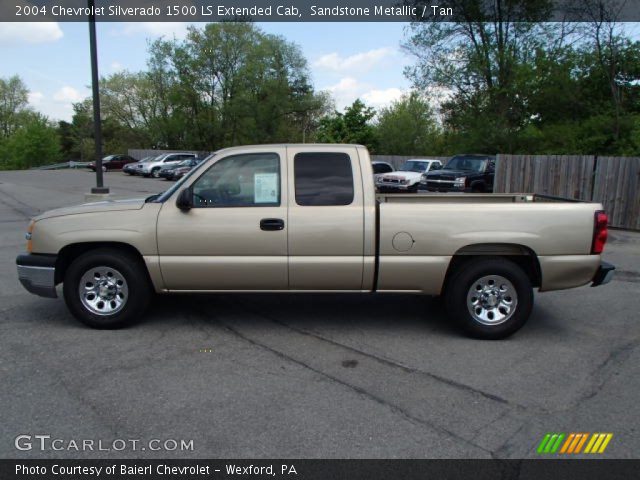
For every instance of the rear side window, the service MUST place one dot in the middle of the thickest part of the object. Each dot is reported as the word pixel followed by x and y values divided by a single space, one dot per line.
pixel 323 178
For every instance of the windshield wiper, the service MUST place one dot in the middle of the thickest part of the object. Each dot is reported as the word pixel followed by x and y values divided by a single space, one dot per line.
pixel 151 198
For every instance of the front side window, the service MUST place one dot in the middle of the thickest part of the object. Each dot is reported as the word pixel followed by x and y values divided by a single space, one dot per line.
pixel 250 180
pixel 323 178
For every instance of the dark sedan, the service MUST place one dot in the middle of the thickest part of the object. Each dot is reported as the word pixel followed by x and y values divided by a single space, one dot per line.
pixel 174 172
pixel 113 162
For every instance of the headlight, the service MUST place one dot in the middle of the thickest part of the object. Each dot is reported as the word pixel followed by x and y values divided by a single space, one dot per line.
pixel 460 181
pixel 406 182
pixel 423 177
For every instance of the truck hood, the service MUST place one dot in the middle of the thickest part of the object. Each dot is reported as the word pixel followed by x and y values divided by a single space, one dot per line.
pixel 94 207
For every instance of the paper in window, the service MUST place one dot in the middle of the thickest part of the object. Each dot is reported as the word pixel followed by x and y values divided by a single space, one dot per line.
pixel 265 188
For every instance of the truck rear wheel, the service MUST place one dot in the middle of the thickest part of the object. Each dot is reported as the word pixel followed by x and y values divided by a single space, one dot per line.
pixel 106 288
pixel 490 298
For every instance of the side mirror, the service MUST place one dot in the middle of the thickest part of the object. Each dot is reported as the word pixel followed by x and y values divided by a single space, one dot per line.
pixel 185 200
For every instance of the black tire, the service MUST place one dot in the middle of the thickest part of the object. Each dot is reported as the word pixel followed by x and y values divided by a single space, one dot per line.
pixel 458 298
pixel 139 290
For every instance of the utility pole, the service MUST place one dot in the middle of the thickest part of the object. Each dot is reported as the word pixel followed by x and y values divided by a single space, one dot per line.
pixel 95 85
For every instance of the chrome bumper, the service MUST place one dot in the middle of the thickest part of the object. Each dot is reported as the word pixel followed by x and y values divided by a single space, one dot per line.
pixel 37 274
pixel 603 275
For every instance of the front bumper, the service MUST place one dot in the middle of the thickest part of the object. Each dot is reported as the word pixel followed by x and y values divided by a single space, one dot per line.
pixel 393 188
pixel 603 275
pixel 442 186
pixel 37 274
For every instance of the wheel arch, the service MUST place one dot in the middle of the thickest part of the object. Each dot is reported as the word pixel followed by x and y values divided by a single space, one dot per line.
pixel 519 254
pixel 68 253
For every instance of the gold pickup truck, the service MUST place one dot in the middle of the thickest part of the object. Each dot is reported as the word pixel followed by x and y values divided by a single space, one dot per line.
pixel 306 218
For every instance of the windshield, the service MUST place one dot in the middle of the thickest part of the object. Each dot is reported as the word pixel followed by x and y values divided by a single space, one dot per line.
pixel 414 166
pixel 161 197
pixel 107 158
pixel 147 159
pixel 473 164
pixel 186 163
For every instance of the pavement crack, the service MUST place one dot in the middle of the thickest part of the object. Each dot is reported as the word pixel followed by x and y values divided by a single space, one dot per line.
pixel 604 370
pixel 360 391
pixel 393 363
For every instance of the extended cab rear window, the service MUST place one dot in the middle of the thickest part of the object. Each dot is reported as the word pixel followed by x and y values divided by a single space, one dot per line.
pixel 323 178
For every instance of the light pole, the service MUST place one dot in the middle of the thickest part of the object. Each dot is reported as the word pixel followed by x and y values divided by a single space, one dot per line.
pixel 95 85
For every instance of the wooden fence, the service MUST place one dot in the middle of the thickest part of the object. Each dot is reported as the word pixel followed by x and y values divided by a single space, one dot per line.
pixel 617 187
pixel 612 181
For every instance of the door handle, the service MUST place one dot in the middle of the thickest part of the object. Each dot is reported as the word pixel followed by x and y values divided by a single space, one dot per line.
pixel 271 224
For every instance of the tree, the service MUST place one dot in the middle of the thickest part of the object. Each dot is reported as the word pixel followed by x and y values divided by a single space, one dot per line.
pixel 352 126
pixel 484 59
pixel 13 102
pixel 230 83
pixel 35 143
pixel 408 127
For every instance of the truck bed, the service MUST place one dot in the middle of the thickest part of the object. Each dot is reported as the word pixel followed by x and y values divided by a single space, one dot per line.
pixel 468 198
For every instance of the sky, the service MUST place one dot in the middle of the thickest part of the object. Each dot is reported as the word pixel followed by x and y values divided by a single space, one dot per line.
pixel 351 60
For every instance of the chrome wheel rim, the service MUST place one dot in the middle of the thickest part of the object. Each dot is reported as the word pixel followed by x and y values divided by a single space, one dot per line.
pixel 492 300
pixel 103 290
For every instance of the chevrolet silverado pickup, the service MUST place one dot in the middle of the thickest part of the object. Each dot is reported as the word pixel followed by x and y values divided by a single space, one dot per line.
pixel 306 218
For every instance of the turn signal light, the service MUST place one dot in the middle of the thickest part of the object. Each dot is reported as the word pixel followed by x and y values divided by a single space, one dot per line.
pixel 599 232
pixel 29 235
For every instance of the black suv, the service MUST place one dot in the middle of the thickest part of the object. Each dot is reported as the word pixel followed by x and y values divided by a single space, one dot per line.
pixel 462 173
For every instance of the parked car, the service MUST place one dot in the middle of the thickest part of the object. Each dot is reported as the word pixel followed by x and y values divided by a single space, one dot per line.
pixel 153 167
pixel 406 178
pixel 180 169
pixel 380 168
pixel 113 162
pixel 306 218
pixel 166 172
pixel 130 168
pixel 462 173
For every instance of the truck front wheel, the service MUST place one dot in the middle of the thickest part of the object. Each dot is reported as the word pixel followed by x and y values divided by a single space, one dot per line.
pixel 106 288
pixel 490 298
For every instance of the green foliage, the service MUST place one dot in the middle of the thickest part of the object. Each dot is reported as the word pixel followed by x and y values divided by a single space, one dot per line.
pixel 530 87
pixel 35 143
pixel 352 126
pixel 13 102
pixel 408 127
pixel 225 84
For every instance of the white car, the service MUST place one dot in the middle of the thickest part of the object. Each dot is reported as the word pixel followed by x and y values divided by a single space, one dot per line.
pixel 406 178
pixel 153 167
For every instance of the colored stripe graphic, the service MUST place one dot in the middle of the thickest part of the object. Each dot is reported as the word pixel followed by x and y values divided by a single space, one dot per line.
pixel 573 443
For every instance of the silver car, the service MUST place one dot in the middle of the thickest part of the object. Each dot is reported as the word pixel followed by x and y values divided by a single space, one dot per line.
pixel 153 167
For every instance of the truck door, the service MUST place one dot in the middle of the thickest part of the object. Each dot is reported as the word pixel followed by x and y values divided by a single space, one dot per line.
pixel 326 219
pixel 235 236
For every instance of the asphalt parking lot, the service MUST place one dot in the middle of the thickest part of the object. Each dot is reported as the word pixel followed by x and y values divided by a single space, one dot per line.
pixel 306 376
